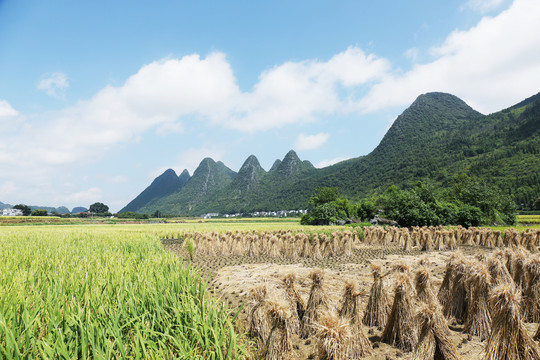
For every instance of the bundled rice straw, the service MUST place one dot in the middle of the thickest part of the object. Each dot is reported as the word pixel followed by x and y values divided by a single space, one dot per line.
pixel 519 270
pixel 296 303
pixel 401 267
pixel 479 317
pixel 349 302
pixel 400 330
pixel 407 242
pixel 424 290
pixel 444 290
pixel 499 272
pixel 531 303
pixel 279 345
pixel 258 321
pixel 456 305
pixel 509 338
pixel 360 345
pixel 334 338
pixel 537 335
pixel 378 306
pixel 434 339
pixel 317 303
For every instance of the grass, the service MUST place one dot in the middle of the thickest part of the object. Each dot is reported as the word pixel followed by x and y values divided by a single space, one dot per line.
pixel 528 219
pixel 104 292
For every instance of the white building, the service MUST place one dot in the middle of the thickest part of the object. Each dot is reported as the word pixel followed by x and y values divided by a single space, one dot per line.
pixel 11 212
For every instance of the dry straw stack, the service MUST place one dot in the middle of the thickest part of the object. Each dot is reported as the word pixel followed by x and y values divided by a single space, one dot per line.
pixel 317 304
pixel 296 303
pixel 334 337
pixel 278 345
pixel 359 343
pixel 531 303
pixel 509 338
pixel 424 289
pixel 479 317
pixel 434 339
pixel 456 305
pixel 259 326
pixel 378 306
pixel 400 330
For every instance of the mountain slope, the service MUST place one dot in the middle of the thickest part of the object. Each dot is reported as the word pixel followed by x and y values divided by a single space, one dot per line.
pixel 437 137
pixel 165 184
pixel 209 178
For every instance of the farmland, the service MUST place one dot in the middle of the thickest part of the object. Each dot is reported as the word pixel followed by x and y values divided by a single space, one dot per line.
pixel 140 291
pixel 102 292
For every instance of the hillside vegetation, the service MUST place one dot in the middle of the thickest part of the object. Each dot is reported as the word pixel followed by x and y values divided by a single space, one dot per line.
pixel 437 137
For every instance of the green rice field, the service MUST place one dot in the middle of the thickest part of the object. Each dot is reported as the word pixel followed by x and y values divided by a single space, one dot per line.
pixel 104 292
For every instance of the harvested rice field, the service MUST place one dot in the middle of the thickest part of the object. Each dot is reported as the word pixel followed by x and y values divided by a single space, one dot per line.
pixel 304 294
pixel 268 291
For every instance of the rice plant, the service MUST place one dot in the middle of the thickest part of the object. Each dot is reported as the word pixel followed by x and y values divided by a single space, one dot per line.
pixel 93 292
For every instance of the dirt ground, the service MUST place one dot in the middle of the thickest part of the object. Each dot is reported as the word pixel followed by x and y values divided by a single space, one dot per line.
pixel 230 279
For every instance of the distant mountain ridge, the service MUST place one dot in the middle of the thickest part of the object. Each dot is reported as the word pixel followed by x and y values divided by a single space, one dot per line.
pixel 59 210
pixel 438 136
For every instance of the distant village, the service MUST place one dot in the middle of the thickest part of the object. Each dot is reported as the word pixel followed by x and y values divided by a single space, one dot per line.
pixel 280 213
pixel 11 212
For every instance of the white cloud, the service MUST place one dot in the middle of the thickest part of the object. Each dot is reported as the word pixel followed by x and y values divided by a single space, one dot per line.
pixel 483 6
pixel 411 53
pixel 302 91
pixel 9 119
pixel 54 84
pixel 87 197
pixel 492 65
pixel 6 110
pixel 310 142
pixel 164 92
pixel 325 163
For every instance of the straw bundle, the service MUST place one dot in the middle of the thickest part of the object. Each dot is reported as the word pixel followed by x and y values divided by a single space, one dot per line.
pixel 422 282
pixel 259 326
pixel 400 330
pixel 456 306
pixel 360 345
pixel 279 345
pixel 317 303
pixel 531 303
pixel 519 270
pixel 407 246
pixel 378 306
pixel 334 338
pixel 499 272
pixel 434 339
pixel 509 338
pixel 316 249
pixel 296 303
pixel 479 317
pixel 444 290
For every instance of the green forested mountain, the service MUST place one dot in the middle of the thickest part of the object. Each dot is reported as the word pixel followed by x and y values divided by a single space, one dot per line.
pixel 437 137
pixel 165 184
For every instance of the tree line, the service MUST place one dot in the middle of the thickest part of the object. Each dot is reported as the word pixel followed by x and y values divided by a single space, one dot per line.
pixel 466 201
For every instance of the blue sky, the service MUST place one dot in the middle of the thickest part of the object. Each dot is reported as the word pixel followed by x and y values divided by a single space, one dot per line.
pixel 98 98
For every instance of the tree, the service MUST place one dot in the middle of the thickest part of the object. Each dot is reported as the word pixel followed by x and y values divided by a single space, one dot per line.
pixel 39 212
pixel 366 209
pixel 327 207
pixel 24 208
pixel 99 208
